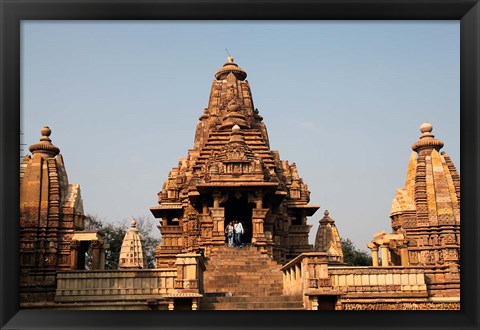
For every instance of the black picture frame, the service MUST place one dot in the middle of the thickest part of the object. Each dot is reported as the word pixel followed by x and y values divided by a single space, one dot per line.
pixel 14 11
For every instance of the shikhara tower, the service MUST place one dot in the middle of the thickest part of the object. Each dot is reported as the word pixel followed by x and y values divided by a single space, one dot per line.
pixel 231 174
pixel 425 218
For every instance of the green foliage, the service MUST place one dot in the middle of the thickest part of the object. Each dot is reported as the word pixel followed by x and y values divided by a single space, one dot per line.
pixel 113 235
pixel 354 257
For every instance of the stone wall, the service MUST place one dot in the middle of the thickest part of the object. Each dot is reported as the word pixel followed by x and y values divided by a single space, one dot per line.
pixel 363 288
pixel 177 287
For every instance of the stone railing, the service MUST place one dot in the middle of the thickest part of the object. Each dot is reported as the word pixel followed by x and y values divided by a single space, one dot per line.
pixel 306 272
pixel 164 287
pixel 310 276
pixel 78 286
pixel 397 282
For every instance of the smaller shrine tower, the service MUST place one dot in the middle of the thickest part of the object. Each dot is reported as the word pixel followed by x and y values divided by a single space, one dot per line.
pixel 51 222
pixel 425 218
pixel 328 239
pixel 132 254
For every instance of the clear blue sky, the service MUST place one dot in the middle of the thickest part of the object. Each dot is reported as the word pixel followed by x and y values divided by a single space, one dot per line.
pixel 341 99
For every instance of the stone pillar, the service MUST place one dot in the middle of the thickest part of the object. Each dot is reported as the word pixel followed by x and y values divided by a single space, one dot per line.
pixel 190 269
pixel 258 234
pixel 375 256
pixel 384 250
pixel 404 255
pixel 96 246
pixel 102 255
pixel 204 207
pixel 218 232
pixel 338 304
pixel 216 200
pixel 314 303
pixel 194 304
pixel 74 246
pixel 259 199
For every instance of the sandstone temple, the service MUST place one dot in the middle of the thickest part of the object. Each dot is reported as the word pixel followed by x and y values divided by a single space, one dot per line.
pixel 231 174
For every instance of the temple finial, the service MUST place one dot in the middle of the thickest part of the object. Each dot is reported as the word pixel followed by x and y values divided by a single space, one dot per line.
pixel 45 145
pixel 230 67
pixel 230 58
pixel 427 139
pixel 426 128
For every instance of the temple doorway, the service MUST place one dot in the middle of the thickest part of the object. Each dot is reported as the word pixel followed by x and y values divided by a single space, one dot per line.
pixel 238 208
pixel 326 303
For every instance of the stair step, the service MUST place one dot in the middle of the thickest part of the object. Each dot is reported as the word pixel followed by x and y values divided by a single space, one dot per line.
pixel 244 279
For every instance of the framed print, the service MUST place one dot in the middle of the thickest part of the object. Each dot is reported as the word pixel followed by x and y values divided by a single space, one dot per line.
pixel 114 82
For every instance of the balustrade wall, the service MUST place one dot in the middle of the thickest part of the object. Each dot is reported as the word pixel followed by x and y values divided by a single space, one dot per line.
pixel 150 287
pixel 311 276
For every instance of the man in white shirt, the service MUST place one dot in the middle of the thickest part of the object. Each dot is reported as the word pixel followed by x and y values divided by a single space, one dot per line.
pixel 238 229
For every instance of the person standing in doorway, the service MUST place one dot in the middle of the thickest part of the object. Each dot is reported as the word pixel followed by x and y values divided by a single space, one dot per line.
pixel 238 228
pixel 229 233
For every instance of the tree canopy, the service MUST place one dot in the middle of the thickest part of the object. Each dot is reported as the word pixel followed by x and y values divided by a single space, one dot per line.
pixel 353 256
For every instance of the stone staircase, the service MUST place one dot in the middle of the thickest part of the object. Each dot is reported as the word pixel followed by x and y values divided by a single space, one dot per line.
pixel 244 279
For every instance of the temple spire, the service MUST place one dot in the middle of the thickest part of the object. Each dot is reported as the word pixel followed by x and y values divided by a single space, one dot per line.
pixel 328 239
pixel 132 254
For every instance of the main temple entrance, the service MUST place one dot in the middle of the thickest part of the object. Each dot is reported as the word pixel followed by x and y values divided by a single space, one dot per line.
pixel 238 208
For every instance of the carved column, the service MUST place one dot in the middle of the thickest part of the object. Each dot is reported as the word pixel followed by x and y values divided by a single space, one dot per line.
pixel 96 246
pixel 218 217
pixel 338 304
pixel 258 234
pixel 258 199
pixel 216 199
pixel 374 249
pixel 204 207
pixel 314 303
pixel 74 246
pixel 102 255
pixel 384 250
pixel 403 255
pixel 194 304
